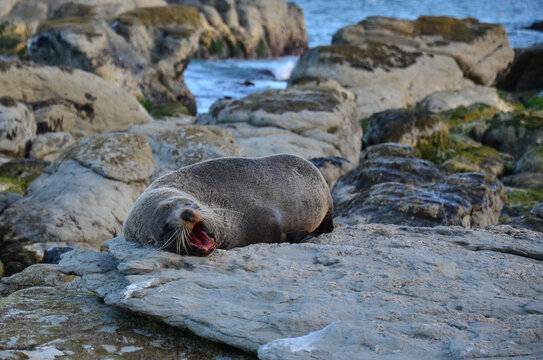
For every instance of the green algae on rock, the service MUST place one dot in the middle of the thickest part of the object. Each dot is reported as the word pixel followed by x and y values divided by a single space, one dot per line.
pixel 16 175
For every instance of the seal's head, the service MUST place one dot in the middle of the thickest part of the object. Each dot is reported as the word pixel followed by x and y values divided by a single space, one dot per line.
pixel 187 232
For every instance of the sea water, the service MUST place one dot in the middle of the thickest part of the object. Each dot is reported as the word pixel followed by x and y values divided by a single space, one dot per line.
pixel 214 79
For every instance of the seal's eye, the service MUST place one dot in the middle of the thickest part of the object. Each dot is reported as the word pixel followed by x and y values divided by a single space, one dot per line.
pixel 188 215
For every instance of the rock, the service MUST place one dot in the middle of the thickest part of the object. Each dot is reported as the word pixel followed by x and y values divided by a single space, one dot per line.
pixel 52 255
pixel 528 171
pixel 176 144
pixel 307 120
pixel 536 25
pixel 525 72
pixel 479 159
pixel 17 127
pixel 62 319
pixel 398 292
pixel 401 189
pixel 515 132
pixel 448 100
pixel 531 221
pixel 8 198
pixel 382 76
pixel 481 49
pixel 332 168
pixel 16 175
pixel 96 105
pixel 403 126
pixel 47 146
pixel 80 200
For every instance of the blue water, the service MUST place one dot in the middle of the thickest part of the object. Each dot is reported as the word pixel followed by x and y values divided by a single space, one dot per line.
pixel 212 80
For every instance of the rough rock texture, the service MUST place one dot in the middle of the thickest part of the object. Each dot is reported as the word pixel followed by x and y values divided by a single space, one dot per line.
pixel 526 71
pixel 63 320
pixel 16 175
pixel 482 50
pixel 94 105
pixel 403 126
pixel 47 146
pixel 145 50
pixel 448 100
pixel 310 121
pixel 80 200
pixel 393 187
pixel 479 159
pixel 17 127
pixel 382 76
pixel 515 132
pixel 528 171
pixel 396 292
pixel 532 221
pixel 176 143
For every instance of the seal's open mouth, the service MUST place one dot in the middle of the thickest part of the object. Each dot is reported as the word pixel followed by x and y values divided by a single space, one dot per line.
pixel 202 243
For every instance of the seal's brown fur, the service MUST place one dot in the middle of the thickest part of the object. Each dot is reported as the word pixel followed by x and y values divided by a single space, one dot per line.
pixel 240 201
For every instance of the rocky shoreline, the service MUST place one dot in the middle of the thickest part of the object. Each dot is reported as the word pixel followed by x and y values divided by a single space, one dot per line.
pixel 429 133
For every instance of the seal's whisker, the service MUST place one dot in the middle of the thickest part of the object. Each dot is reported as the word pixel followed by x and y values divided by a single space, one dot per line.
pixel 169 241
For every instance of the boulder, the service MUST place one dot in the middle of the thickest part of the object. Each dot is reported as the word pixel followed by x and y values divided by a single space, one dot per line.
pixel 525 73
pixel 403 126
pixel 401 189
pixel 448 100
pixel 481 49
pixel 17 127
pixel 528 172
pixel 93 104
pixel 80 200
pixel 176 143
pixel 515 132
pixel 365 290
pixel 48 314
pixel 16 175
pixel 382 76
pixel 479 159
pixel 309 120
pixel 531 221
pixel 47 146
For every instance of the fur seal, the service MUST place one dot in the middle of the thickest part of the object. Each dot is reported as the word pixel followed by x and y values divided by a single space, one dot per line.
pixel 232 202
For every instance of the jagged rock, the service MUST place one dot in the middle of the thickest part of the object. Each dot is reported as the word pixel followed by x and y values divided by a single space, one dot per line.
pixel 62 319
pixel 80 200
pixel 177 143
pixel 382 76
pixel 398 292
pixel 515 132
pixel 307 120
pixel 481 49
pixel 94 104
pixel 47 146
pixel 448 100
pixel 401 189
pixel 17 127
pixel 332 168
pixel 403 126
pixel 528 171
pixel 525 73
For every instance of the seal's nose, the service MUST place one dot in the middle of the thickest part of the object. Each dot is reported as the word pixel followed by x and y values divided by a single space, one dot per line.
pixel 188 215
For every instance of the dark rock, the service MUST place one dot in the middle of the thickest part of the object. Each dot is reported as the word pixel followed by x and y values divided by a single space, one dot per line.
pixel 52 255
pixel 536 25
pixel 526 71
pixel 405 190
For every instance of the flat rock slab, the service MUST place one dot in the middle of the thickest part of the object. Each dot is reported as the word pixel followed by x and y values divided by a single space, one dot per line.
pixel 364 291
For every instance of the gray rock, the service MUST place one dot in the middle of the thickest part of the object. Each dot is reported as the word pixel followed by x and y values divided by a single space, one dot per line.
pixel 528 172
pixel 481 49
pixel 404 126
pixel 515 132
pixel 46 314
pixel 400 189
pixel 95 104
pixel 177 143
pixel 17 127
pixel 47 146
pixel 382 76
pixel 375 290
pixel 80 200
pixel 448 100
pixel 308 120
